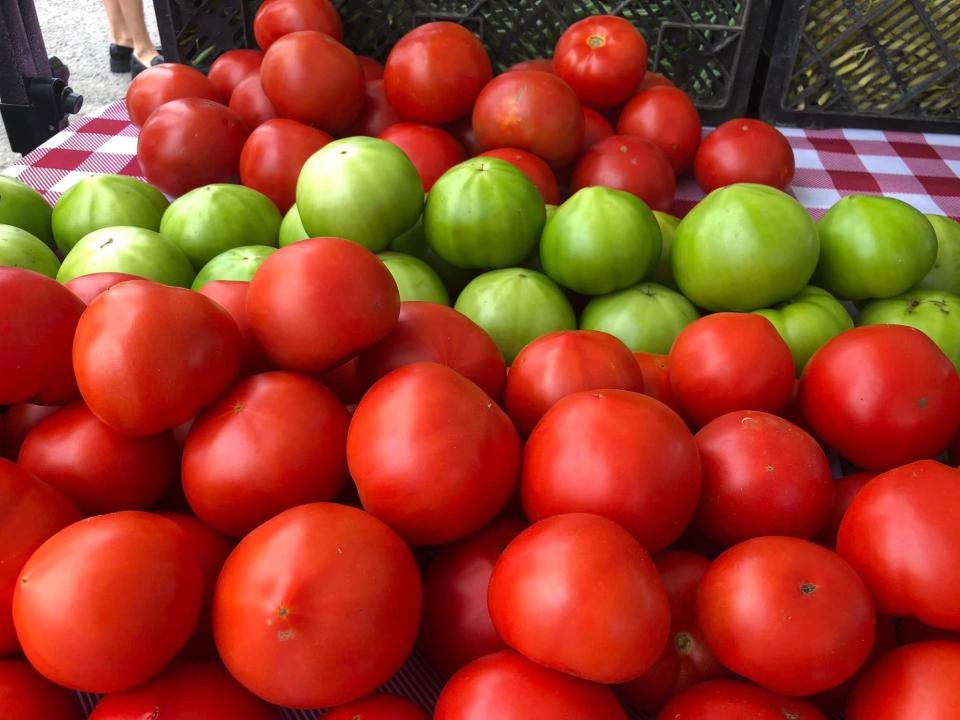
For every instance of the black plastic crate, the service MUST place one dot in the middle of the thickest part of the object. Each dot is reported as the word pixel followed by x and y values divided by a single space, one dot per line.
pixel 708 47
pixel 866 63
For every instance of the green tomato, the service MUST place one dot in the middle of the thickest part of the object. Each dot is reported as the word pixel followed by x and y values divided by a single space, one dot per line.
pixel 25 208
pixel 744 247
pixel 807 321
pixel 215 218
pixel 415 279
pixel 873 247
pixel 550 211
pixel 483 213
pixel 130 250
pixel 945 274
pixel 663 272
pixel 101 201
pixel 234 264
pixel 19 248
pixel 600 240
pixel 647 317
pixel 934 312
pixel 516 306
pixel 360 188
pixel 291 229
pixel 414 242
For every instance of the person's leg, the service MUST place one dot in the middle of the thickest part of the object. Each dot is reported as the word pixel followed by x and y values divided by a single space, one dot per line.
pixel 143 48
pixel 119 34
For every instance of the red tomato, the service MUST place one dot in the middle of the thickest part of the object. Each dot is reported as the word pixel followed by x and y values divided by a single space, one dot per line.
pixel 561 363
pixel 312 78
pixel 462 130
pixel 534 168
pixel 584 578
pixel 376 115
pixel 735 700
pixel 37 339
pixel 507 686
pixel 730 361
pixel 87 287
pixel 431 150
pixel 603 58
pixel 639 455
pixel 273 156
pixel 378 707
pixel 686 660
pixel 656 379
pixel 273 441
pixel 762 475
pixel 372 69
pixel 882 395
pixel 317 302
pixel 431 454
pixel 542 64
pixel 185 690
pixel 790 615
pixel 277 18
pixel 845 490
pixel 309 588
pixel 456 627
pixel 744 150
pixel 65 605
pixel 631 164
pixel 900 535
pixel 19 420
pixel 666 117
pixel 98 468
pixel 530 110
pixel 654 79
pixel 428 332
pixel 917 681
pixel 596 128
pixel 251 103
pixel 148 356
pixel 27 695
pixel 232 67
pixel 30 512
pixel 435 72
pixel 231 295
pixel 344 381
pixel 190 143
pixel 160 84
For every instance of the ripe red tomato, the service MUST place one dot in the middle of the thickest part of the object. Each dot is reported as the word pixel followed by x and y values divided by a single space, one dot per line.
pixel 87 287
pixel 30 512
pixel 462 130
pixel 882 395
pixel 654 79
pixel 312 78
pixel 308 588
pixel 730 361
pixel 534 168
pixel 762 475
pixel 372 69
pixel 656 379
pixel 97 467
pixel 584 578
pixel 686 660
pixel 845 490
pixel 631 164
pixel 17 421
pixel 530 110
pixel 435 72
pixel 273 156
pixel 314 304
pixel 344 382
pixel 133 375
pixel 65 605
pixel 231 295
pixel 431 454
pixel 736 700
pixel 251 103
pixel 376 115
pixel 666 117
pixel 189 143
pixel 276 18
pixel 37 339
pixel 900 536
pixel 542 64
pixel 273 441
pixel 428 332
pixel 639 455
pixel 916 681
pixel 26 695
pixel 744 150
pixel 378 707
pixel 232 67
pixel 431 150
pixel 603 58
pixel 561 363
pixel 187 689
pixel 160 84
pixel 790 615
pixel 596 128
pixel 507 686
pixel 456 627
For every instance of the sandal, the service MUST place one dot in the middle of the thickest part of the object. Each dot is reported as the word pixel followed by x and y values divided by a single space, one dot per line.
pixel 137 66
pixel 120 58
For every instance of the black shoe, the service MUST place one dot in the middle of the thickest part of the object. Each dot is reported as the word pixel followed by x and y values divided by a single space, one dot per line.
pixel 137 67
pixel 120 58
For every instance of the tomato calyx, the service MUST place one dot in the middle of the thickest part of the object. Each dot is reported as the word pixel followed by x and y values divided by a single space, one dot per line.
pixel 807 588
pixel 682 642
pixel 596 41
pixel 789 715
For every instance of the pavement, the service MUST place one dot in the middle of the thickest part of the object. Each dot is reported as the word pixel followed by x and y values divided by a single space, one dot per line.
pixel 76 32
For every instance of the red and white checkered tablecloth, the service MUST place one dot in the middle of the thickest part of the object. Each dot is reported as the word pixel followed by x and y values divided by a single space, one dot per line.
pixel 922 169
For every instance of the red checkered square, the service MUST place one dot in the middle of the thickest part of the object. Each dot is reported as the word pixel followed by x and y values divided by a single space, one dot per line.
pixel 61 158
